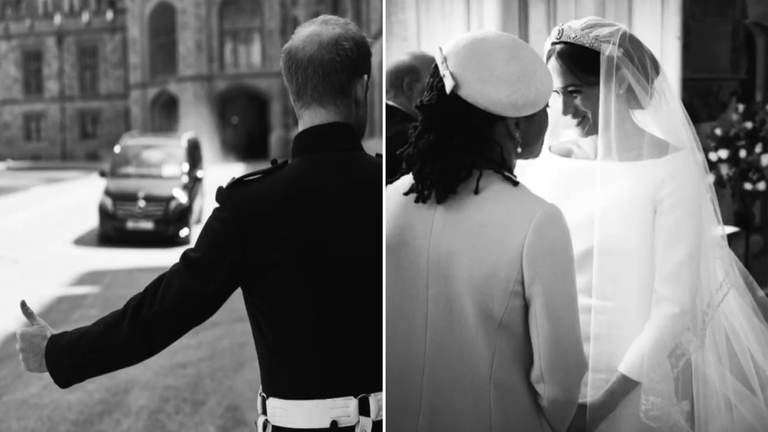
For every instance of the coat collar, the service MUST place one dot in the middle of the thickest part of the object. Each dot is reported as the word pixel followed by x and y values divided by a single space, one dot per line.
pixel 326 138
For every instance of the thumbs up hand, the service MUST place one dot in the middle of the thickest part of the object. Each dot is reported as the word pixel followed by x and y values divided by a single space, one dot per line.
pixel 32 341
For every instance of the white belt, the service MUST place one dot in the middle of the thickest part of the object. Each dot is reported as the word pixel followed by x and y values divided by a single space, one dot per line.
pixel 319 413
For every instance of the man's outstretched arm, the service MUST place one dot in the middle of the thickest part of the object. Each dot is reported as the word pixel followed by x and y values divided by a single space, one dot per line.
pixel 170 306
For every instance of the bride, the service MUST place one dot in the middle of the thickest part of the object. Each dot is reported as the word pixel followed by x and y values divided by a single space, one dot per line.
pixel 669 318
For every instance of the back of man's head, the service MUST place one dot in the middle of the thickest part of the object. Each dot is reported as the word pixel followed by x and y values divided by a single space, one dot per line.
pixel 323 61
pixel 412 67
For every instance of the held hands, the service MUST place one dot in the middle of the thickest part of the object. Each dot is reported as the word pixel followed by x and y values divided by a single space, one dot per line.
pixel 32 341
pixel 579 422
pixel 589 416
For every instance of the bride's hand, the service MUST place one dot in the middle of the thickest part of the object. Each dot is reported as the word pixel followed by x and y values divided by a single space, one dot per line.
pixel 605 404
pixel 579 421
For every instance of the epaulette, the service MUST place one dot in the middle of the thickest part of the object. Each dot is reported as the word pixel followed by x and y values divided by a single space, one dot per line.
pixel 275 166
pixel 379 156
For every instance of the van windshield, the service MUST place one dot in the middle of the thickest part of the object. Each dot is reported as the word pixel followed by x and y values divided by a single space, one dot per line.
pixel 148 160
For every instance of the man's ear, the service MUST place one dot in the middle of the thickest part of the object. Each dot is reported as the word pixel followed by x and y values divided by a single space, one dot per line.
pixel 361 89
pixel 409 86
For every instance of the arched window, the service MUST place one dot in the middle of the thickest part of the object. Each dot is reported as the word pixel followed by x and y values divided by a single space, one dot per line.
pixel 240 22
pixel 163 53
pixel 10 8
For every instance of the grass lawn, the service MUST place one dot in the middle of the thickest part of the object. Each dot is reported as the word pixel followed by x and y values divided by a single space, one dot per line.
pixel 207 381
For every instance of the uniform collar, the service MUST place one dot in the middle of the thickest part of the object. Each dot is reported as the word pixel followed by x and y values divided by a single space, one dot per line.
pixel 333 137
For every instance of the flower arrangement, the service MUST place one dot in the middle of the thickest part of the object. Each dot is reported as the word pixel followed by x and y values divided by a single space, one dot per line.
pixel 738 153
pixel 738 160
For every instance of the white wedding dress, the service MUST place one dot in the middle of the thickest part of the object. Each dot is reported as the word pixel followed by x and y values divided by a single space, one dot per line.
pixel 664 300
pixel 632 296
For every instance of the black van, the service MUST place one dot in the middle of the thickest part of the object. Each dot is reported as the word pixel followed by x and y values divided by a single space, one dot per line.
pixel 154 188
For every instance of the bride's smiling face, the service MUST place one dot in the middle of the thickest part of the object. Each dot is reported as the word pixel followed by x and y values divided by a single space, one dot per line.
pixel 574 99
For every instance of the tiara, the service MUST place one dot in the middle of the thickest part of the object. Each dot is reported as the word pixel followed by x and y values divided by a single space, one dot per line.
pixel 576 36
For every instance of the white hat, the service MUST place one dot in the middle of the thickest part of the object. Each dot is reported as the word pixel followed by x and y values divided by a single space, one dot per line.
pixel 496 72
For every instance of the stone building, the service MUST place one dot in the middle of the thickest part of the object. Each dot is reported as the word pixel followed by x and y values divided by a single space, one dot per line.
pixel 211 66
pixel 63 81
pixel 214 66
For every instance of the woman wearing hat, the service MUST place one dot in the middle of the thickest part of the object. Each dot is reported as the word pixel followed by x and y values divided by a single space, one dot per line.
pixel 669 320
pixel 482 320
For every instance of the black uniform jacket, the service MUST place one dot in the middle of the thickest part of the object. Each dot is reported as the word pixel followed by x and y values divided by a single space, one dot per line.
pixel 304 242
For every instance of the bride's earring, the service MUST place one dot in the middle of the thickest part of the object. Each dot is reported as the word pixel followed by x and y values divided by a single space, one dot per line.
pixel 519 142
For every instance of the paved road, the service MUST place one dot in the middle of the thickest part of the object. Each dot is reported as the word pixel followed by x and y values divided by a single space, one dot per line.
pixel 13 181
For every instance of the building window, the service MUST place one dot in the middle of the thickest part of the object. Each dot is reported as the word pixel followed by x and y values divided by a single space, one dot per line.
pixel 89 125
pixel 32 64
pixel 162 40
pixel 240 22
pixel 358 15
pixel 339 8
pixel 45 7
pixel 33 127
pixel 291 22
pixel 73 6
pixel 11 8
pixel 88 56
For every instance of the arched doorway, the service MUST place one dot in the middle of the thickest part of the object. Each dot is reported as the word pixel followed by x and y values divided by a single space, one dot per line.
pixel 243 115
pixel 164 112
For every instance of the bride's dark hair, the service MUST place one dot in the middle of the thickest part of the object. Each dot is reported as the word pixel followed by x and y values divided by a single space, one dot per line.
pixel 451 140
pixel 584 63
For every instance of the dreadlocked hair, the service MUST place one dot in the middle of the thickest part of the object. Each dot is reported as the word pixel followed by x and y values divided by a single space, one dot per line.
pixel 450 142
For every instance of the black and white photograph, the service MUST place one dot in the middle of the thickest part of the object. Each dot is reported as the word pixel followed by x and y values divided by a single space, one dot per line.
pixel 191 215
pixel 476 215
pixel 576 216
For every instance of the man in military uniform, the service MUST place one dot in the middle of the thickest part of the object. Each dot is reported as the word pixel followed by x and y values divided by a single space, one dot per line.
pixel 406 79
pixel 302 239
